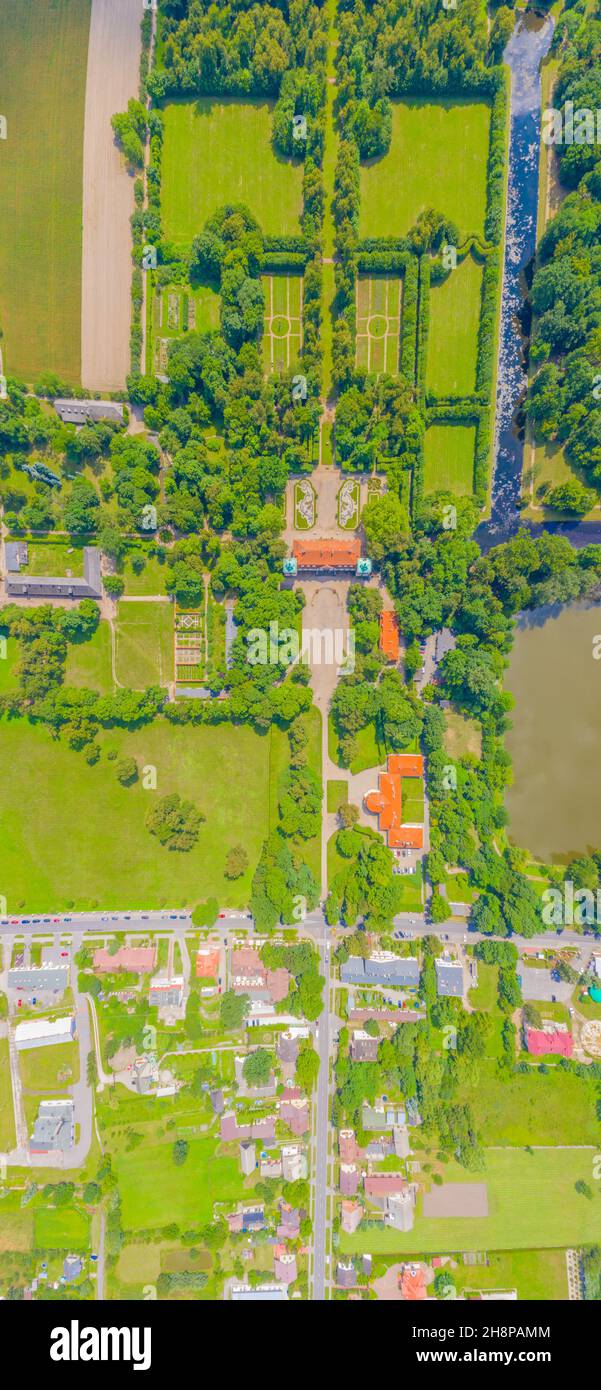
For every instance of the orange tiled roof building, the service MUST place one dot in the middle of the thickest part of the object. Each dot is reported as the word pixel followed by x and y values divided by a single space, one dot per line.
pixel 389 635
pixel 327 554
pixel 387 802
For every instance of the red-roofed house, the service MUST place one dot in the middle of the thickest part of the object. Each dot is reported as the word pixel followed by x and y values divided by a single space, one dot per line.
pixel 207 963
pixel 138 960
pixel 412 1283
pixel 347 1146
pixel 284 1264
pixel 553 1037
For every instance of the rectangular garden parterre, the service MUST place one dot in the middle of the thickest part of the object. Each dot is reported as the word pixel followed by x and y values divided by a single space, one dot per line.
pixel 378 322
pixel 283 322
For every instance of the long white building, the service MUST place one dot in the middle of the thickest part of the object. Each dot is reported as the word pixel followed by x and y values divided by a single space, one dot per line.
pixel 43 1032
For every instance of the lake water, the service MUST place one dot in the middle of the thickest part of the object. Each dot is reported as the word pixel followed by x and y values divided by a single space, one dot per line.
pixel 554 804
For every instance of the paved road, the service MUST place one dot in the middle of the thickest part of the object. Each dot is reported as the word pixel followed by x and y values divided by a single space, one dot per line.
pixel 321 1148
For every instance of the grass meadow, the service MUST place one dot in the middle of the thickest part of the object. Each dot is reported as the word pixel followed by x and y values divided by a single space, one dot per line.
pixel 150 1184
pixel 437 158
pixel 71 833
pixel 220 151
pixel 43 62
pixel 144 644
pixel 449 459
pixel 453 331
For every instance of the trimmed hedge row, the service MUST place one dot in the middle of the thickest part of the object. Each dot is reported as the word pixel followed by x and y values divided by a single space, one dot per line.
pixel 423 325
pixel 409 319
pixel 495 174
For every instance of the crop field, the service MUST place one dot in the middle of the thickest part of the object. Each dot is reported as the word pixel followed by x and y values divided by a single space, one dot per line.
pixel 71 834
pixel 43 60
pixel 144 644
pixel 449 459
pixel 379 299
pixel 283 322
pixel 437 158
pixel 220 151
pixel 453 331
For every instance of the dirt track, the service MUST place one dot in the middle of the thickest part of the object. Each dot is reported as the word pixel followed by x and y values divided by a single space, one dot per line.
pixel 108 195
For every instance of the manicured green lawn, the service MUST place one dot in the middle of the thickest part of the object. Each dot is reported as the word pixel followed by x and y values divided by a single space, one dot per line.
pixel 7 1120
pixel 437 158
pixel 41 1067
pixel 61 1228
pixel 155 1191
pixel 412 792
pixel 484 996
pixel 8 679
pixel 43 60
pixel 537 1274
pixel 532 1204
pixel 149 582
pixel 530 1108
pixel 453 331
pixel 54 559
pixel 337 795
pixel 217 152
pixel 71 833
pixel 89 664
pixel 449 459
pixel 144 644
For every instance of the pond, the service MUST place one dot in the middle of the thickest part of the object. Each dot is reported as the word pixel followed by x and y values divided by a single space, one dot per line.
pixel 554 805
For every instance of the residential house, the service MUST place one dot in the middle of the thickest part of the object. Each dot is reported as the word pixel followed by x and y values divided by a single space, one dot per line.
pixel 363 1047
pixel 347 1146
pixel 136 960
pixel 412 1283
pixel 230 1130
pixel 284 1264
pixel 294 1163
pixel 271 1167
pixel 380 1117
pixel 290 1221
pixel 166 993
pixel 247 1158
pixel 217 1102
pixel 351 1215
pixel 449 977
pixel 349 1179
pixel 85 412
pixel 207 962
pixel 381 968
pixel 247 1219
pixel 294 1111
pixel 346 1274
